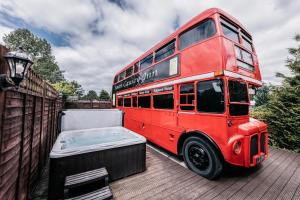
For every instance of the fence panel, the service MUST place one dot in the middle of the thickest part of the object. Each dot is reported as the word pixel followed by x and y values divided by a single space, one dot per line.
pixel 84 104
pixel 28 120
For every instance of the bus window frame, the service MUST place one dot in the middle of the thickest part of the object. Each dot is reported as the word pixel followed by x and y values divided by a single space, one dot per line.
pixel 116 79
pixel 152 61
pixel 225 88
pixel 120 97
pixel 242 34
pixel 238 59
pixel 176 54
pixel 132 97
pixel 194 104
pixel 128 68
pixel 162 93
pixel 130 102
pixel 200 41
pixel 163 46
pixel 151 102
pixel 239 80
pixel 228 23
pixel 136 64
pixel 227 79
pixel 124 71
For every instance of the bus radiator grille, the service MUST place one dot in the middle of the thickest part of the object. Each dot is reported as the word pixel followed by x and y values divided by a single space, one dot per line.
pixel 263 143
pixel 253 147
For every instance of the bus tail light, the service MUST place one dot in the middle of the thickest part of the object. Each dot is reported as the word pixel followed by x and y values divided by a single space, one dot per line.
pixel 237 147
pixel 219 73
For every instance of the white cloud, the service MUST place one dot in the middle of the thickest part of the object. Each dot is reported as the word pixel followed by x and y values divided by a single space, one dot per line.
pixel 105 36
pixel 4 30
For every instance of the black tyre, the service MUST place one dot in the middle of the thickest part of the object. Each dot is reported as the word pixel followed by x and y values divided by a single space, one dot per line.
pixel 202 157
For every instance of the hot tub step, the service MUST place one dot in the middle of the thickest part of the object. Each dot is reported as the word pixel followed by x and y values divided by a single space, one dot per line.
pixel 101 194
pixel 87 177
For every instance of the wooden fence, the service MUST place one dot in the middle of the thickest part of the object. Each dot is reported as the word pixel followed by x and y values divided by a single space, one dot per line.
pixel 83 104
pixel 28 129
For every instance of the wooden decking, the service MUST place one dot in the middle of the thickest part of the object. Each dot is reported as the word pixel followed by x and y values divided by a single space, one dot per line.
pixel 277 178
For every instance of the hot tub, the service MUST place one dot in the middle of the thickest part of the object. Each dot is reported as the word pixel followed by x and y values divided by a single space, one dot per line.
pixel 120 150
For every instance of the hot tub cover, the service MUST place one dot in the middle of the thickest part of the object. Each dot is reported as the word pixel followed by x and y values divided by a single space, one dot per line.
pixel 88 140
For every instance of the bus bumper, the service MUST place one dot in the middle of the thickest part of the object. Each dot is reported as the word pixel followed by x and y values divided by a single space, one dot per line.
pixel 257 149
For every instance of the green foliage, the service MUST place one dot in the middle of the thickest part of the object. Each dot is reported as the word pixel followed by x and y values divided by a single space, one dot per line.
pixel 282 112
pixel 78 88
pixel 91 95
pixel 66 88
pixel 104 95
pixel 44 62
pixel 262 95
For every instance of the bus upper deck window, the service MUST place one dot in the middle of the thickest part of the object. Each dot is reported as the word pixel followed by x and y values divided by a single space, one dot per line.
pixel 122 76
pixel 136 67
pixel 202 31
pixel 147 61
pixel 165 51
pixel 129 71
pixel 230 30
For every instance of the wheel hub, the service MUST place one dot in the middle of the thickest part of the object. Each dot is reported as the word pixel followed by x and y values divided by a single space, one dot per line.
pixel 198 157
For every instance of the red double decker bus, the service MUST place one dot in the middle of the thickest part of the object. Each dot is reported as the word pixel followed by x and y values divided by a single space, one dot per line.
pixel 190 95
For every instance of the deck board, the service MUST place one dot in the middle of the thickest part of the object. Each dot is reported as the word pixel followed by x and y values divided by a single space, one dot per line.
pixel 277 178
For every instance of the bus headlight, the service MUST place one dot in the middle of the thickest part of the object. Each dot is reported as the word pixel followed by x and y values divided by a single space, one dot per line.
pixel 237 147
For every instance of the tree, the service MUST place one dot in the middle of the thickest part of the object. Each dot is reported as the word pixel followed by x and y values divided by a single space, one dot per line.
pixel 104 95
pixel 282 112
pixel 91 95
pixel 66 88
pixel 262 95
pixel 44 62
pixel 79 90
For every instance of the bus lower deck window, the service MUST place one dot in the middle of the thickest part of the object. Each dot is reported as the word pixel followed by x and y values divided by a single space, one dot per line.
pixel 134 102
pixel 187 96
pixel 127 102
pixel 144 102
pixel 164 101
pixel 210 96
pixel 120 101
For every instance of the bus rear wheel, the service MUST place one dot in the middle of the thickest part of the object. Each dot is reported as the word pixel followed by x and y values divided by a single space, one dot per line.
pixel 202 157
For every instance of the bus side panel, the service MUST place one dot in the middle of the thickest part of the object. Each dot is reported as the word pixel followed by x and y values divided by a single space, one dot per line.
pixel 138 120
pixel 131 120
pixel 202 58
pixel 164 129
pixel 213 126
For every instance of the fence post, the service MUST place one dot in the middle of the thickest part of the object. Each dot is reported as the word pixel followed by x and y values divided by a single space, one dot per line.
pixel 21 146
pixel 40 165
pixel 30 145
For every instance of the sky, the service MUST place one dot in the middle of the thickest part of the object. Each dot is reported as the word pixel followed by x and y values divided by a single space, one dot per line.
pixel 94 39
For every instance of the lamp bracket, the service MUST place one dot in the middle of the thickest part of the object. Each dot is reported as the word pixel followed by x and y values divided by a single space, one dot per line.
pixel 5 82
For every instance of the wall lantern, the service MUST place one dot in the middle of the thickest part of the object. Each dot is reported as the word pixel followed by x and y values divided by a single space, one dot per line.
pixel 19 62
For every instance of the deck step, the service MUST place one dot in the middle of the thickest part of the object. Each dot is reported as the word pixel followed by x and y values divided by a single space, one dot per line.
pixel 101 194
pixel 87 177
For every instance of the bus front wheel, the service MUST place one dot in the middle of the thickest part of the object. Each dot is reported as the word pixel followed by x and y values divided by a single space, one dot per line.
pixel 202 157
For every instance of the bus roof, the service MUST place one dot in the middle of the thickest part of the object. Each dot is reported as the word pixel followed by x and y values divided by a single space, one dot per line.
pixel 205 14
